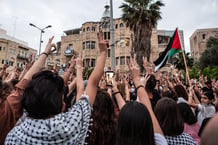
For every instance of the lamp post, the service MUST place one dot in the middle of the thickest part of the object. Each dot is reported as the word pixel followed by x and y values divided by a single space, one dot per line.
pixel 41 31
pixel 112 36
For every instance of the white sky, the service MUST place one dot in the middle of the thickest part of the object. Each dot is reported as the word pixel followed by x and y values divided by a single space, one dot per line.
pixel 15 16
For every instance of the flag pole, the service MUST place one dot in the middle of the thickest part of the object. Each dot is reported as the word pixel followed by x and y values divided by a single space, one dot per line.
pixel 186 68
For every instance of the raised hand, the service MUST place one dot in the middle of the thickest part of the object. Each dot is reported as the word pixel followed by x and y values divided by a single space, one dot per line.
pixel 79 62
pixel 134 70
pixel 50 47
pixel 102 43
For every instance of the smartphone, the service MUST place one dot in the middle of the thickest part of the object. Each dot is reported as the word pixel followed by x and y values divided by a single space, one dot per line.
pixel 109 77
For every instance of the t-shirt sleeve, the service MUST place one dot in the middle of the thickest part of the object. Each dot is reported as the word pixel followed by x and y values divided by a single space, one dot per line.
pixel 200 107
pixel 160 139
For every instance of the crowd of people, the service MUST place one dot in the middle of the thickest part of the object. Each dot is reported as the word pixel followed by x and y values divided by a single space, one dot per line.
pixel 39 106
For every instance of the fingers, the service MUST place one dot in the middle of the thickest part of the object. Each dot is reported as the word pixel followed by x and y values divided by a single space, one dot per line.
pixel 100 35
pixel 54 47
pixel 50 39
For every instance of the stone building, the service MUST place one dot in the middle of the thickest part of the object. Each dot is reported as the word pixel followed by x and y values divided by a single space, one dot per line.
pixel 84 41
pixel 198 41
pixel 14 52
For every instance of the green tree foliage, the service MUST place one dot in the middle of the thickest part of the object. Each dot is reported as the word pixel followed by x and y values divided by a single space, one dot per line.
pixel 193 72
pixel 141 16
pixel 179 63
pixel 210 56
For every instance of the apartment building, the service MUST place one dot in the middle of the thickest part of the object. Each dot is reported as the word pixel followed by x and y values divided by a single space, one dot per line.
pixel 13 51
pixel 198 41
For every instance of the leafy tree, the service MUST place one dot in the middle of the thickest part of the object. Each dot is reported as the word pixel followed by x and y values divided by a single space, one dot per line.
pixel 210 56
pixel 193 72
pixel 141 16
pixel 179 63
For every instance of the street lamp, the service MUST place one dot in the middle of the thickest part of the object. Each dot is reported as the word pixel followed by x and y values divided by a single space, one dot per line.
pixel 107 20
pixel 41 31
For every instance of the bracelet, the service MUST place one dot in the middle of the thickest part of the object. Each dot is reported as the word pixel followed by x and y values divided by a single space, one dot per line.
pixel 44 53
pixel 136 89
pixel 118 92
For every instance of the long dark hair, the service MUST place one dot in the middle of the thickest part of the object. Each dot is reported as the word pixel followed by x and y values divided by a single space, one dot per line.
pixel 135 126
pixel 169 117
pixel 187 113
pixel 104 121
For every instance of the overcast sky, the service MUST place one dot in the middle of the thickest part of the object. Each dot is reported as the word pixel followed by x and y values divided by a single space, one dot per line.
pixel 15 16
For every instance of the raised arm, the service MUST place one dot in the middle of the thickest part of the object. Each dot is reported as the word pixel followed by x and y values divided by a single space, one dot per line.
pixel 116 92
pixel 79 76
pixel 69 71
pixel 95 77
pixel 39 64
pixel 143 96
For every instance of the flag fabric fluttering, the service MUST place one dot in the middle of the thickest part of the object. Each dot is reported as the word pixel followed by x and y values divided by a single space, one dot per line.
pixel 173 47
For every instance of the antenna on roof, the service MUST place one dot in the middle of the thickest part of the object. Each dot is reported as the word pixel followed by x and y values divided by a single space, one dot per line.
pixel 15 23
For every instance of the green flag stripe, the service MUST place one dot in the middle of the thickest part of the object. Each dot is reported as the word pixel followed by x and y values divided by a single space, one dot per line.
pixel 173 51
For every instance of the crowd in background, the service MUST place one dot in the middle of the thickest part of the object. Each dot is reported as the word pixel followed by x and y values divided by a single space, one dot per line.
pixel 39 106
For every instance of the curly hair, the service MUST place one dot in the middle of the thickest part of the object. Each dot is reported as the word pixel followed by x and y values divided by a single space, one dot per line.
pixel 104 121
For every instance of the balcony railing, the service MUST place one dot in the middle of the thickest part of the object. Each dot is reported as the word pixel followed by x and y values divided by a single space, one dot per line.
pixel 21 56
pixel 70 52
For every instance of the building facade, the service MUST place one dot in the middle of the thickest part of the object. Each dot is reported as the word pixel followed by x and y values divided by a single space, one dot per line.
pixel 14 52
pixel 198 41
pixel 84 41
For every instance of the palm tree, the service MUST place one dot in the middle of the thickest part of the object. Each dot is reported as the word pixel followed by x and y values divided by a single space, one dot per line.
pixel 141 16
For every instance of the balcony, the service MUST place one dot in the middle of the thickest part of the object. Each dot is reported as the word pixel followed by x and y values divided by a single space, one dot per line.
pixel 69 52
pixel 21 56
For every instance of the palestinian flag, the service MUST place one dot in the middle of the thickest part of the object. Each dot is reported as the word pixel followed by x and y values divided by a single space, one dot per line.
pixel 174 46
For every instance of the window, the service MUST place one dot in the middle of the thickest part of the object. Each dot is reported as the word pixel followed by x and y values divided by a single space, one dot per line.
pixel 122 60
pixel 87 62
pixel 128 58
pixel 3 48
pixel 2 61
pixel 108 53
pixel 93 29
pixel 87 29
pixel 84 45
pixel 203 36
pixel 117 60
pixel 108 35
pixel 116 26
pixel 84 29
pixel 0 48
pixel 105 35
pixel 92 62
pixel 121 25
pixel 87 44
pixel 93 45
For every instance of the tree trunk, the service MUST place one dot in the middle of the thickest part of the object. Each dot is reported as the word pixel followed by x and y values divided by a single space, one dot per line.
pixel 142 44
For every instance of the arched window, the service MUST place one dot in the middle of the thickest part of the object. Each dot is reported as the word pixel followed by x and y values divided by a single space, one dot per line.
pixel 87 29
pixel 121 25
pixel 203 36
pixel 116 26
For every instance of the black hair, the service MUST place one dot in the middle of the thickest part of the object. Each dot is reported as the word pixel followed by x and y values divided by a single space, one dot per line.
pixel 187 113
pixel 43 96
pixel 104 120
pixel 169 117
pixel 151 83
pixel 181 92
pixel 134 125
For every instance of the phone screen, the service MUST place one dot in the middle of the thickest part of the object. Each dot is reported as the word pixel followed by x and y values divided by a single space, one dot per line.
pixel 109 76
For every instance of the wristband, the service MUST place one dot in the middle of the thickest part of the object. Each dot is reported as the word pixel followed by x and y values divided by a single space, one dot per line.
pixel 118 92
pixel 44 53
pixel 136 89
